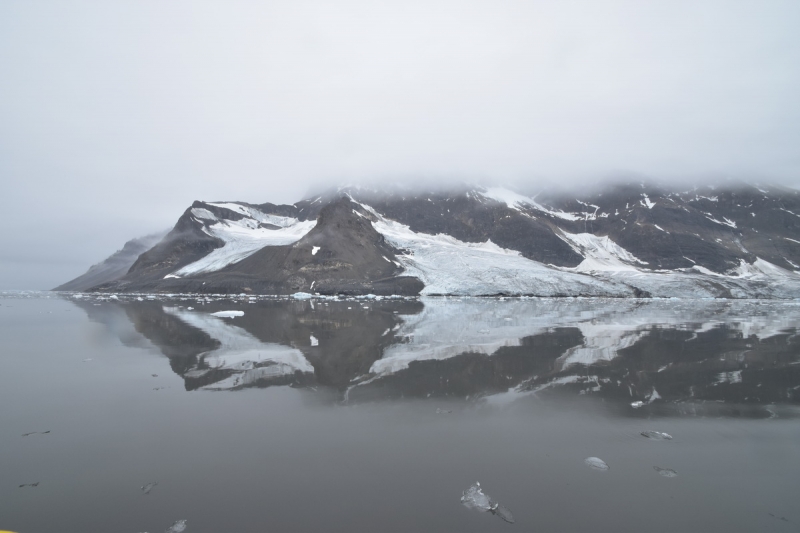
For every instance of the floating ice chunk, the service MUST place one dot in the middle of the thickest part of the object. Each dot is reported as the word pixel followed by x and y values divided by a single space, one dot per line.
pixel 475 498
pixel 178 527
pixel 503 512
pixel 596 463
pixel 86 360
pixel 302 296
pixel 228 314
pixel 150 486
pixel 314 341
pixel 729 377
pixel 440 411
pixel 666 472
pixel 637 405
pixel 656 435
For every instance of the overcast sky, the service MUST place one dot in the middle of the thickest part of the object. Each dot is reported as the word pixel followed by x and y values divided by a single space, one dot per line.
pixel 115 115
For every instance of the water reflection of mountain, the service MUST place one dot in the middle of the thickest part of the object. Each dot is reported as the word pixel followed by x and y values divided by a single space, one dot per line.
pixel 657 352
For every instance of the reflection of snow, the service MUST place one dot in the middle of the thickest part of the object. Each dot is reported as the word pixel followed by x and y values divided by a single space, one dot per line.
pixel 446 329
pixel 601 343
pixel 248 357
pixel 520 391
pixel 730 377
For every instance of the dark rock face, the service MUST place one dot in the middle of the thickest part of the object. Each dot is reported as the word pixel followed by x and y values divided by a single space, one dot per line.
pixel 343 250
pixel 468 217
pixel 711 227
pixel 702 230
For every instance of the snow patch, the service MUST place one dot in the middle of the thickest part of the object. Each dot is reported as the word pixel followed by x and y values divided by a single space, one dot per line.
pixel 314 250
pixel 514 200
pixel 449 266
pixel 242 238
pixel 205 214
pixel 600 253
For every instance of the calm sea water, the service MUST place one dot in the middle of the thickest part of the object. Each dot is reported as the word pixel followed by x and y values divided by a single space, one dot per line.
pixel 376 415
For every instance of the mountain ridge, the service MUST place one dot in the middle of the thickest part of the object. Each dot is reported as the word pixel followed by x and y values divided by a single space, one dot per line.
pixel 624 240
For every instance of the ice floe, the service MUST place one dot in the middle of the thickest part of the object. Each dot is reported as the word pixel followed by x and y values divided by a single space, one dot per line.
pixel 228 314
pixel 475 498
pixel 666 472
pixel 656 435
pixel 596 463
pixel 179 526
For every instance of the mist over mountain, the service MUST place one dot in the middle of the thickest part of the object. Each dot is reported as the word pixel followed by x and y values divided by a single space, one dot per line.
pixel 115 266
pixel 623 239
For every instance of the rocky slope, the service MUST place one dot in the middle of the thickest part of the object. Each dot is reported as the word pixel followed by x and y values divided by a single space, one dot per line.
pixel 626 240
pixel 115 266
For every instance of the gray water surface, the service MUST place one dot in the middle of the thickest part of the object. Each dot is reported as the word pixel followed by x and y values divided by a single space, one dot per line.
pixel 375 415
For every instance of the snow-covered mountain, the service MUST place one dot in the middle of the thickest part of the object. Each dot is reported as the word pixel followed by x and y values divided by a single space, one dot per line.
pixel 630 240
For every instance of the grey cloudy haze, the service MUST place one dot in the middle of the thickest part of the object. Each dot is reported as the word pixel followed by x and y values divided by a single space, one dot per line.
pixel 114 116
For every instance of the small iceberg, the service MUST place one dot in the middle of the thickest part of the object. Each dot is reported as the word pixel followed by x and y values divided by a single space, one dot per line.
pixel 475 498
pixel 228 314
pixel 150 486
pixel 178 527
pixel 666 472
pixel 656 435
pixel 596 463
pixel 302 296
